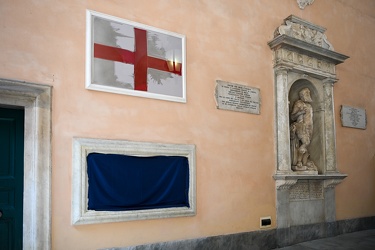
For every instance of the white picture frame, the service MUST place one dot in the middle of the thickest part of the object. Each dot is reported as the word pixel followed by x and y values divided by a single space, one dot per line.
pixel 130 58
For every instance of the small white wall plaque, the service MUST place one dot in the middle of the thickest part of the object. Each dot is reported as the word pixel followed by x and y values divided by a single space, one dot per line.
pixel 237 97
pixel 353 117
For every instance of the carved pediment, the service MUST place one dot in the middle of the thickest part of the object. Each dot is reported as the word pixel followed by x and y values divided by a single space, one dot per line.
pixel 305 31
pixel 299 42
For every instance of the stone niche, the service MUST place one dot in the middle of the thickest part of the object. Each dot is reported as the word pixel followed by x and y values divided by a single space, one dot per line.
pixel 304 58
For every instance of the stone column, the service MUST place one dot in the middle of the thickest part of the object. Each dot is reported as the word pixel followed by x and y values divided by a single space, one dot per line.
pixel 282 124
pixel 329 119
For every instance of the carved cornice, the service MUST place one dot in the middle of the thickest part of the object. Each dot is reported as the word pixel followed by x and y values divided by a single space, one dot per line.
pixel 307 40
pixel 303 3
pixel 331 180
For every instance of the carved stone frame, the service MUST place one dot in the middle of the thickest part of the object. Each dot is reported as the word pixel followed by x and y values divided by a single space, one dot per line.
pixel 304 57
pixel 36 100
pixel 83 146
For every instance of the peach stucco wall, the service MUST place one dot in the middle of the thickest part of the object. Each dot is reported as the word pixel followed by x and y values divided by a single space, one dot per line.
pixel 43 41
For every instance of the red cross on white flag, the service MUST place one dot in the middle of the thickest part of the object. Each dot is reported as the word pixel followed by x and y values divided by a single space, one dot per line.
pixel 136 58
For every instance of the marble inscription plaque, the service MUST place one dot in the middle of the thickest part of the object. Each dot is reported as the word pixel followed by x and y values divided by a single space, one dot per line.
pixel 353 117
pixel 316 189
pixel 306 190
pixel 299 191
pixel 237 97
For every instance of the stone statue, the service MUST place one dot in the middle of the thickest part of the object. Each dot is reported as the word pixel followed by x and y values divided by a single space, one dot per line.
pixel 301 130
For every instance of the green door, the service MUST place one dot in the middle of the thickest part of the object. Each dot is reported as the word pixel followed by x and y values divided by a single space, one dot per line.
pixel 11 178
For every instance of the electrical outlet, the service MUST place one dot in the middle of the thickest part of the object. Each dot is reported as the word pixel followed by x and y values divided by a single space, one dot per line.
pixel 265 222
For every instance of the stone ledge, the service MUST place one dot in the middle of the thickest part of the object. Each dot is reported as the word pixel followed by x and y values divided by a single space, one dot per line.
pixel 310 177
pixel 264 239
pixel 286 181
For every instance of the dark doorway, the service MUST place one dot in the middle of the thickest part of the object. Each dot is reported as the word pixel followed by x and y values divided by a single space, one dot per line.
pixel 11 177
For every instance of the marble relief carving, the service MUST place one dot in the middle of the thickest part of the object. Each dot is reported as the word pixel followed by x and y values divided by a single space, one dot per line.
pixel 301 30
pixel 291 57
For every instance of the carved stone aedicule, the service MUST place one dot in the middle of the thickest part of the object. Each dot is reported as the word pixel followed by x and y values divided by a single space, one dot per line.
pixel 304 31
pixel 304 61
pixel 293 59
pixel 304 73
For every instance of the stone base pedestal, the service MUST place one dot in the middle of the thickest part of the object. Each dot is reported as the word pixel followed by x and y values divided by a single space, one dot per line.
pixel 306 172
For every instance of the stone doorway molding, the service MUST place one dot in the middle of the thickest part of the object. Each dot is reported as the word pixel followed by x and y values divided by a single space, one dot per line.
pixel 36 100
pixel 303 57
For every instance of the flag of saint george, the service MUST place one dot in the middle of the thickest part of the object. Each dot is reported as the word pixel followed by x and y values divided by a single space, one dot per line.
pixel 130 57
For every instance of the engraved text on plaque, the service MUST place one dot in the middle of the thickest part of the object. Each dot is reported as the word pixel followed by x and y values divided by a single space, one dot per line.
pixel 237 97
pixel 353 117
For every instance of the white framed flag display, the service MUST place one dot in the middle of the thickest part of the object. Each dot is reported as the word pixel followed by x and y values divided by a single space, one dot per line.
pixel 130 58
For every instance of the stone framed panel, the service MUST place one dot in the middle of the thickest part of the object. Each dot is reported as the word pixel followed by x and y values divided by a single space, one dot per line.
pixel 84 146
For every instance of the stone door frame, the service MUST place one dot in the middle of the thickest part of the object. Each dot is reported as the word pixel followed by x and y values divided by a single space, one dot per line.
pixel 35 99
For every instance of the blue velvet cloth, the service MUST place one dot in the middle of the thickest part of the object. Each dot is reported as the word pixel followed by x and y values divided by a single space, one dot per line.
pixel 123 182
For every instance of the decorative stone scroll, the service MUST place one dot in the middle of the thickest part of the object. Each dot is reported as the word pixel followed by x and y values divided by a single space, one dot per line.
pixel 237 97
pixel 303 3
pixel 331 183
pixel 285 184
pixel 353 117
